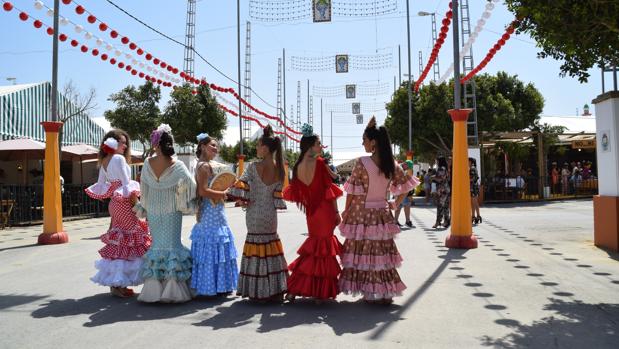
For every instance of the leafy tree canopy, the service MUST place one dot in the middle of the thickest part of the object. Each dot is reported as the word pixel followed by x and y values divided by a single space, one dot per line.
pixel 189 114
pixel 581 33
pixel 504 103
pixel 136 112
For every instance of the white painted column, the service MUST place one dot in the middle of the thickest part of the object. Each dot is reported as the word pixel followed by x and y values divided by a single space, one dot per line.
pixel 607 130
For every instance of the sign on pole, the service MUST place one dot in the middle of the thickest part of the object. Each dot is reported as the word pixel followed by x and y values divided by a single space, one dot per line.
pixel 321 10
pixel 341 63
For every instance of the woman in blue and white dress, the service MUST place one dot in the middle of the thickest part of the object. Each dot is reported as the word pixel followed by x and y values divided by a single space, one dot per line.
pixel 212 244
pixel 168 190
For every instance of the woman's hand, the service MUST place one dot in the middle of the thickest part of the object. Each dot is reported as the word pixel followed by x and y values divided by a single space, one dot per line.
pixel 133 198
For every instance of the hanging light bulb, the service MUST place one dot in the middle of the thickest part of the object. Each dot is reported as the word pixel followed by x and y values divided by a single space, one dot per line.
pixel 79 28
pixel 64 21
pixel 117 53
pixel 88 36
pixel 99 42
pixel 38 5
pixel 50 13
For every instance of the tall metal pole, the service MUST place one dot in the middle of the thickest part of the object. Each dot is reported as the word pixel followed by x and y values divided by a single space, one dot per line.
pixel 321 120
pixel 308 103
pixel 332 155
pixel 399 66
pixel 55 62
pixel 456 49
pixel 408 88
pixel 284 111
pixel 238 56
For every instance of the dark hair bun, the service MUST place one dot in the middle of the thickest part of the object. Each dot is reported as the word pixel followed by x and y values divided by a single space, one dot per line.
pixel 166 144
pixel 267 132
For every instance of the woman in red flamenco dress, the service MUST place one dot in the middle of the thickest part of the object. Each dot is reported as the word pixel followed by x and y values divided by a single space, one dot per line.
pixel 315 272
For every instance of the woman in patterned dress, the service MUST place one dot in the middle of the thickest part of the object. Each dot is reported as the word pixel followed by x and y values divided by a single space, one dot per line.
pixel 168 190
pixel 314 273
pixel 127 239
pixel 264 272
pixel 212 244
pixel 370 256
pixel 443 194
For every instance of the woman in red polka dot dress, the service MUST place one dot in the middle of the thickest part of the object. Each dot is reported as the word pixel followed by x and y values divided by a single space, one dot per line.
pixel 127 239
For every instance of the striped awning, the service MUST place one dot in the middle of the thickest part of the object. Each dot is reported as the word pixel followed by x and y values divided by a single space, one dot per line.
pixel 24 107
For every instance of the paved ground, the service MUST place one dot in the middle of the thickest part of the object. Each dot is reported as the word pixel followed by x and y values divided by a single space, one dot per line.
pixel 536 281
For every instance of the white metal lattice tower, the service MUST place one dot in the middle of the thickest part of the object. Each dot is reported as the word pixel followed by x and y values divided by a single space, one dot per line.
pixel 190 37
pixel 420 63
pixel 310 115
pixel 299 104
pixel 292 124
pixel 435 68
pixel 470 99
pixel 298 123
pixel 279 94
pixel 247 87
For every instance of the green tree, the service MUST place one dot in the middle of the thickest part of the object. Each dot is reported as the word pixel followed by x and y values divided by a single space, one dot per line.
pixel 190 114
pixel 136 112
pixel 581 33
pixel 504 103
pixel 230 153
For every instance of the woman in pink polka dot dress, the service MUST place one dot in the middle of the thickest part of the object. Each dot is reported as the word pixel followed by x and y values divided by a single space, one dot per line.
pixel 370 256
pixel 127 239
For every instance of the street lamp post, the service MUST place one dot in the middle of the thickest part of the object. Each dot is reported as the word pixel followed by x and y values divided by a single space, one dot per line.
pixel 409 153
pixel 241 157
pixel 435 66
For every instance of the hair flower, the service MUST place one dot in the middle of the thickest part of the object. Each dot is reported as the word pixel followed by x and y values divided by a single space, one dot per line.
pixel 202 136
pixel 307 130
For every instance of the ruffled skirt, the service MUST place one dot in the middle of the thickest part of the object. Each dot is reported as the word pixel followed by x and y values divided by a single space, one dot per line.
pixel 118 272
pixel 126 242
pixel 264 272
pixel 314 273
pixel 370 256
pixel 166 273
pixel 213 253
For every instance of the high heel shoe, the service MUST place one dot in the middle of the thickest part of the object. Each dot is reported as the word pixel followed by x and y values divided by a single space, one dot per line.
pixel 479 220
pixel 290 297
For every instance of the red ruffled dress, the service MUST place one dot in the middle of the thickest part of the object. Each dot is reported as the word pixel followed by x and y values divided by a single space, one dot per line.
pixel 315 272
pixel 128 238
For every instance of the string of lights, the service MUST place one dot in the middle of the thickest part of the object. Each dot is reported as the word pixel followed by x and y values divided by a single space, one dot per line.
pixel 361 90
pixel 297 10
pixel 376 61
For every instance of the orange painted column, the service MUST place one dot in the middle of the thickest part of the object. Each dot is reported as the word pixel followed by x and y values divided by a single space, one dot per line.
pixel 53 231
pixel 461 235
pixel 241 167
pixel 286 171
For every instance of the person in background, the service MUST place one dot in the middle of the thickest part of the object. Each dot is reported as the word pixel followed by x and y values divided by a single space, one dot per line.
pixel 407 202
pixel 565 179
pixel 554 178
pixel 474 184
pixel 443 194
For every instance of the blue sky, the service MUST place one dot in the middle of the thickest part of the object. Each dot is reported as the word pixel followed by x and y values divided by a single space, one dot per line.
pixel 26 54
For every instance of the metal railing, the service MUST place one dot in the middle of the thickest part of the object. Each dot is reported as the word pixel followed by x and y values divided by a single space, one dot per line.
pixel 23 204
pixel 527 189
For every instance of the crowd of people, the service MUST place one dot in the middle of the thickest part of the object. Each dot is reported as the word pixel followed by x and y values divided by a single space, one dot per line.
pixel 143 243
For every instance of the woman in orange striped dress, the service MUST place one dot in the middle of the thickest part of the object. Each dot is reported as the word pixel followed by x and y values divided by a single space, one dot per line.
pixel 264 271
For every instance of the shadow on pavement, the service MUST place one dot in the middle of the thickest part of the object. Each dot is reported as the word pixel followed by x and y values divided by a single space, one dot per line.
pixel 104 309
pixel 18 247
pixel 343 317
pixel 13 300
pixel 574 325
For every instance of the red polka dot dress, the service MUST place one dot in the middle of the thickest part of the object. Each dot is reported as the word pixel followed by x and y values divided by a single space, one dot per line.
pixel 128 238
